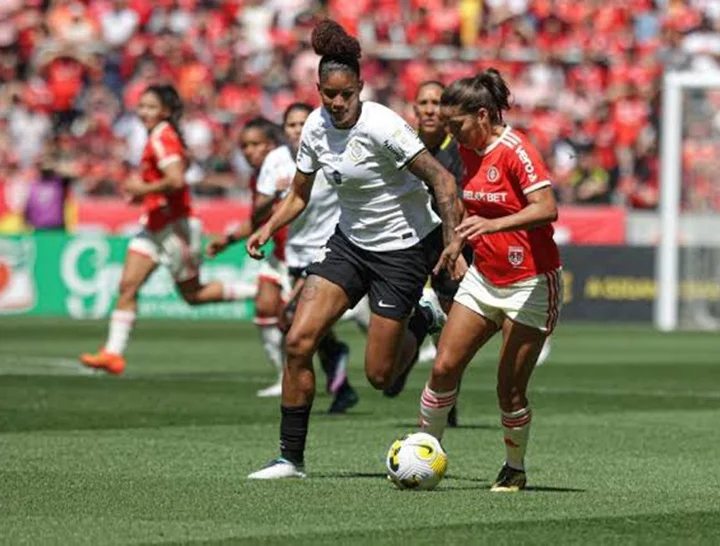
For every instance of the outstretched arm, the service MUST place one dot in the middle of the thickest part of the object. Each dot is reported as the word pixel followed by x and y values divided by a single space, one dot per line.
pixel 429 169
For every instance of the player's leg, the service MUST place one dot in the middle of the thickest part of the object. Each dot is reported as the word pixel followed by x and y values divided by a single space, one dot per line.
pixel 182 251
pixel 334 355
pixel 465 333
pixel 334 284
pixel 532 308
pixel 268 308
pixel 140 262
pixel 521 346
pixel 321 304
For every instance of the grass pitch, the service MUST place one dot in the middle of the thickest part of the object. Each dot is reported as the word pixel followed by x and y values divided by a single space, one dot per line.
pixel 624 445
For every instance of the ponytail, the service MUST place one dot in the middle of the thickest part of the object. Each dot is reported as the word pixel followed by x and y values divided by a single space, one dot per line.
pixel 486 90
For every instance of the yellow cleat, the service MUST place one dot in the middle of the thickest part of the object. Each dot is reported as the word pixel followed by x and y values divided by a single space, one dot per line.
pixel 509 480
pixel 108 362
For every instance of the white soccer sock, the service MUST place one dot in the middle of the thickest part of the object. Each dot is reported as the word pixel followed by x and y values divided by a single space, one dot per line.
pixel 121 323
pixel 516 428
pixel 272 342
pixel 238 291
pixel 434 410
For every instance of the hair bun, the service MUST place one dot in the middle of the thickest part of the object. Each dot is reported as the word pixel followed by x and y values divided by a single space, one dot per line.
pixel 329 38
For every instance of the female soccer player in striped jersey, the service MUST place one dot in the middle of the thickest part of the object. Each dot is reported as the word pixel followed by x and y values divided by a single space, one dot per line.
pixel 385 245
pixel 306 236
pixel 170 234
pixel 515 283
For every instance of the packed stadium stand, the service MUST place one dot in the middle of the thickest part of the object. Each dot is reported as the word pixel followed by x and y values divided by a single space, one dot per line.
pixel 586 78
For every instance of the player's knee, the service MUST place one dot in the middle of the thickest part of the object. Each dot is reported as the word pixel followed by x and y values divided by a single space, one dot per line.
pixel 380 379
pixel 128 290
pixel 191 298
pixel 445 371
pixel 298 344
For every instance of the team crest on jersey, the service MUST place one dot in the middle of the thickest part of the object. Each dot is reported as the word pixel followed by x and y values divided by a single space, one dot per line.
pixel 355 151
pixel 493 174
pixel 516 255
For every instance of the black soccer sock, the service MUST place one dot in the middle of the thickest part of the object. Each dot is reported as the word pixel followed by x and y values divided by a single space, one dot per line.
pixel 293 432
pixel 420 323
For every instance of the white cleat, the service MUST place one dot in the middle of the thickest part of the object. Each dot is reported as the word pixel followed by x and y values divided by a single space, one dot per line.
pixel 428 352
pixel 278 469
pixel 272 391
pixel 429 301
pixel 544 353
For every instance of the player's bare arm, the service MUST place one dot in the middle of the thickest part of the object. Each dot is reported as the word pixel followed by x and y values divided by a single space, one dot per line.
pixel 429 169
pixel 541 210
pixel 262 209
pixel 173 180
pixel 290 208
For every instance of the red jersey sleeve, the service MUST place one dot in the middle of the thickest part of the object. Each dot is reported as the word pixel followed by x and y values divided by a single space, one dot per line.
pixel 167 147
pixel 527 166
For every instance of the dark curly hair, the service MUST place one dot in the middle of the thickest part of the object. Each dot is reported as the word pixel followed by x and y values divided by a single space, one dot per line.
pixel 486 90
pixel 170 99
pixel 339 50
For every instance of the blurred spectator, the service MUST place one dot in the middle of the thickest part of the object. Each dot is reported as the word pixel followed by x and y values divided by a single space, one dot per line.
pixel 586 77
pixel 47 195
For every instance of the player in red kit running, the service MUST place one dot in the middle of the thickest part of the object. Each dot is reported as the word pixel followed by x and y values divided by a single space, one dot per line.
pixel 170 234
pixel 515 283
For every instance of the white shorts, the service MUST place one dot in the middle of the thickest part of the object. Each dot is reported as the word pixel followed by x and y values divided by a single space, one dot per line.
pixel 534 302
pixel 275 271
pixel 178 246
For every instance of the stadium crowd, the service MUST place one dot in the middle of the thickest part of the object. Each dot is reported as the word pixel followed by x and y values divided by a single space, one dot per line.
pixel 586 78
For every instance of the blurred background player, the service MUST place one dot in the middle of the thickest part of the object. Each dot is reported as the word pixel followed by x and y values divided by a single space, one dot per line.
pixel 515 282
pixel 259 137
pixel 388 236
pixel 307 234
pixel 170 234
pixel 444 148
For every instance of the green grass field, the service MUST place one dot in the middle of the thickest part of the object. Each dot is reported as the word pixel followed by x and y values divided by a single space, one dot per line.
pixel 624 448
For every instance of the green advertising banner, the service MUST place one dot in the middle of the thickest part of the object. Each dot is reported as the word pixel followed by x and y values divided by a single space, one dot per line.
pixel 54 274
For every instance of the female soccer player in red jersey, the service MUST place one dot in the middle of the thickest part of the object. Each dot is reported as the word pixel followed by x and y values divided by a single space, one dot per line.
pixel 515 283
pixel 170 234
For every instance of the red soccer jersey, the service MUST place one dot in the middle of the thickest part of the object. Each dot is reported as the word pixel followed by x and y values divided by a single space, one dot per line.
pixel 163 148
pixel 496 183
pixel 281 235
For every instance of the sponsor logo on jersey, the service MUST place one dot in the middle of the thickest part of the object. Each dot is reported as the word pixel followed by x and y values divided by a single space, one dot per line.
pixel 487 197
pixel 394 149
pixel 516 255
pixel 527 162
pixel 493 175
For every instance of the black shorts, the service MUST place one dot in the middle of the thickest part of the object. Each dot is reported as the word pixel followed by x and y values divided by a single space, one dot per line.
pixel 443 285
pixel 393 279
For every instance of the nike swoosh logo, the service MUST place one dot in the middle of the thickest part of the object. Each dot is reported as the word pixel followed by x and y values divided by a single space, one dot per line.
pixel 385 305
pixel 427 448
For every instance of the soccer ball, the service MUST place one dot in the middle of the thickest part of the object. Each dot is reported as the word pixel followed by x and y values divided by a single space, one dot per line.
pixel 416 461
